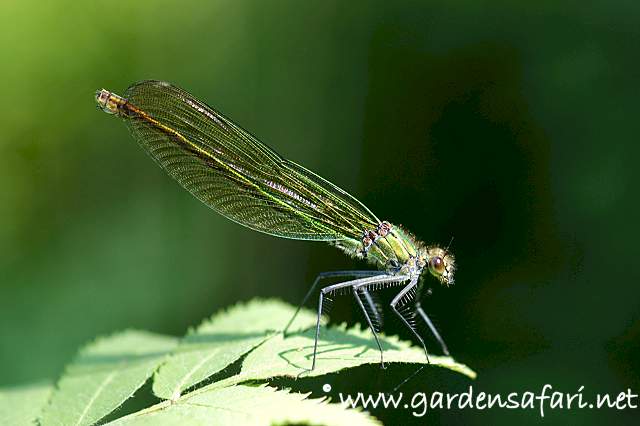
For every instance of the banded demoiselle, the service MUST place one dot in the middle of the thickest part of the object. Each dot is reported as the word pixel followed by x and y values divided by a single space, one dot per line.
pixel 241 178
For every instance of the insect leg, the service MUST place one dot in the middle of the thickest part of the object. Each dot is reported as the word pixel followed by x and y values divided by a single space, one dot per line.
pixel 323 275
pixel 366 315
pixel 374 308
pixel 352 283
pixel 433 329
pixel 407 294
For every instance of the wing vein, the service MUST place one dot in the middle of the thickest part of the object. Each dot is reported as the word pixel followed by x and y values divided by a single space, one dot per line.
pixel 235 174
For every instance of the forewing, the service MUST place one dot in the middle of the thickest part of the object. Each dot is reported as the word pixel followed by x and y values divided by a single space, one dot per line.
pixel 234 173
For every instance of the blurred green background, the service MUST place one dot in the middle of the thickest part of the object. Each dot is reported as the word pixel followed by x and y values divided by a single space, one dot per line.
pixel 511 126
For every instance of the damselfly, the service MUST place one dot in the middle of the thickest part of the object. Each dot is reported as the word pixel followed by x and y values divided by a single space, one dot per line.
pixel 246 181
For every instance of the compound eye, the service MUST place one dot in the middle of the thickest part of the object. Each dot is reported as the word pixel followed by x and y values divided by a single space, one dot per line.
pixel 436 265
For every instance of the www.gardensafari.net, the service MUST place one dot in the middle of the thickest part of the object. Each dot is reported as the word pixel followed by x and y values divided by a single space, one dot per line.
pixel 420 402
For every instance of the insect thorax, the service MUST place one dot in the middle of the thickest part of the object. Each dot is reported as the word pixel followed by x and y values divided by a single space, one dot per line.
pixel 388 247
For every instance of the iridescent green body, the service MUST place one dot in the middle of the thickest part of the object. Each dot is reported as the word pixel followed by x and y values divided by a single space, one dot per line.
pixel 235 174
pixel 389 252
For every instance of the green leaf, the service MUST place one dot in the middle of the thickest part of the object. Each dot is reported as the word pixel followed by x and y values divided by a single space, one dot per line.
pixel 105 374
pixel 110 370
pixel 20 405
pixel 220 341
pixel 338 349
pixel 248 405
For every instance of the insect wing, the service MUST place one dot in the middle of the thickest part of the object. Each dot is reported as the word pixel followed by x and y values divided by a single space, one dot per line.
pixel 235 174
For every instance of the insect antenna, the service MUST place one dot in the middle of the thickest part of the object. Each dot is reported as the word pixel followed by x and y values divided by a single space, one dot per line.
pixel 446 251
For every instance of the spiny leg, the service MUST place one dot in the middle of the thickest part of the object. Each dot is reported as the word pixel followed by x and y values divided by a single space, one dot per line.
pixel 366 315
pixel 433 329
pixel 427 320
pixel 323 275
pixel 374 308
pixel 406 292
pixel 352 283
